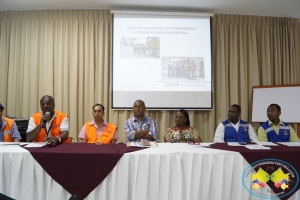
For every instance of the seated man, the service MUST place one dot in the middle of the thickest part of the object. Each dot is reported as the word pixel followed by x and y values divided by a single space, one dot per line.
pixel 275 130
pixel 233 129
pixel 140 127
pixel 48 125
pixel 8 129
pixel 99 130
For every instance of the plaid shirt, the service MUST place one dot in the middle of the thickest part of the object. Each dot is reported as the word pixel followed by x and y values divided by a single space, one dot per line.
pixel 14 132
pixel 132 125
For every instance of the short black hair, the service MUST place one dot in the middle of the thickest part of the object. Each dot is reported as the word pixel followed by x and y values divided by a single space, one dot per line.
pixel 277 106
pixel 141 101
pixel 47 97
pixel 237 107
pixel 98 104
pixel 186 115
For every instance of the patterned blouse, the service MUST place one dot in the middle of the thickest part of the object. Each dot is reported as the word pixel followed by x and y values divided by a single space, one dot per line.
pixel 175 134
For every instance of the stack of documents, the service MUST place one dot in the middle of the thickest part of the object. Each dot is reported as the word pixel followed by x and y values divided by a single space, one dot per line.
pixel 290 144
pixel 267 143
pixel 141 144
pixel 256 146
pixel 249 146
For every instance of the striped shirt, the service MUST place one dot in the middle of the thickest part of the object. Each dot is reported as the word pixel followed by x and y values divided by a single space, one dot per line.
pixel 132 125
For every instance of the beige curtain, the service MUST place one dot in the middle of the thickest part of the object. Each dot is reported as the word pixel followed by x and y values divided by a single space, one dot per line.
pixel 67 54
pixel 62 53
pixel 252 51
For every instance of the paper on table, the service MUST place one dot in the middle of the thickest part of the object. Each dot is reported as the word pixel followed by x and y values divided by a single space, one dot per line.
pixel 205 144
pixel 290 144
pixel 13 143
pixel 267 143
pixel 140 144
pixel 254 146
pixel 37 144
pixel 200 144
pixel 235 144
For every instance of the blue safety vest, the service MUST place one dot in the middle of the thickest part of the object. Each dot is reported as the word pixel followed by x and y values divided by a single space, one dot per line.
pixel 284 132
pixel 231 135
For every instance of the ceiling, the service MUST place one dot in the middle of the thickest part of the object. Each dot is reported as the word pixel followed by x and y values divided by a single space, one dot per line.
pixel 280 8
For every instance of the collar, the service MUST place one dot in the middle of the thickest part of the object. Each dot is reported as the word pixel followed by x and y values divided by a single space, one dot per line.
pixel 54 115
pixel 234 124
pixel 271 123
pixel 103 124
pixel 136 120
pixel 180 129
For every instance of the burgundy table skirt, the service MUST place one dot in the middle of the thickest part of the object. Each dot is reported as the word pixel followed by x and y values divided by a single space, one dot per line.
pixel 283 153
pixel 79 167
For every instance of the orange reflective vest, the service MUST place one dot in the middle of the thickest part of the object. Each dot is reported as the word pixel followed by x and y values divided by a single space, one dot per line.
pixel 7 129
pixel 106 136
pixel 55 127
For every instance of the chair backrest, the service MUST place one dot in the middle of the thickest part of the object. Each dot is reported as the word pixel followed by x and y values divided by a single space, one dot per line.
pixel 74 197
pixel 73 140
pixel 4 197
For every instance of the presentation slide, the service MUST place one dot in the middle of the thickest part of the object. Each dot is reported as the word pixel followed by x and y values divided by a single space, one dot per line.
pixel 163 60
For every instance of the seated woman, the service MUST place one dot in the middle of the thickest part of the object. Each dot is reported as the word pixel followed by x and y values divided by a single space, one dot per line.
pixel 182 131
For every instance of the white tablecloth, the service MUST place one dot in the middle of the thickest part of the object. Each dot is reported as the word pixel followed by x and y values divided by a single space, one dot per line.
pixel 170 171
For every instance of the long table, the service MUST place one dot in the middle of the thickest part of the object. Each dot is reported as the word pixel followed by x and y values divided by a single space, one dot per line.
pixel 170 171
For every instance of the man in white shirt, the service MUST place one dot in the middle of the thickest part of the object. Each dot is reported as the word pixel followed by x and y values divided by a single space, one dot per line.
pixel 233 129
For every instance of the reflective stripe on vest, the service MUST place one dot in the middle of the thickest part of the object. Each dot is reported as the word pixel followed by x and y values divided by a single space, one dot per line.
pixel 7 132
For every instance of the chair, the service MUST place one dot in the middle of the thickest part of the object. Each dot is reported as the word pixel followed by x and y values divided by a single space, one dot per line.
pixel 4 197
pixel 73 140
pixel 74 197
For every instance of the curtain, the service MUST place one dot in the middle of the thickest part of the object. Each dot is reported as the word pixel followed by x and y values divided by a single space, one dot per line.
pixel 252 51
pixel 67 54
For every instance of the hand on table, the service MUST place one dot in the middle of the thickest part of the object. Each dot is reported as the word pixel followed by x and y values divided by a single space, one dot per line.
pixel 53 140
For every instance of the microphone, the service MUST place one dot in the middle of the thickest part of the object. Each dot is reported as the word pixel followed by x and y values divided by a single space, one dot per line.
pixel 47 114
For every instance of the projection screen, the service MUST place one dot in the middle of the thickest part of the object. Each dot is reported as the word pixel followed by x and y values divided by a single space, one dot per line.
pixel 163 59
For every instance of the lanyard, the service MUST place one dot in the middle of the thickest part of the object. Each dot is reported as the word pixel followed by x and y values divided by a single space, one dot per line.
pixel 48 130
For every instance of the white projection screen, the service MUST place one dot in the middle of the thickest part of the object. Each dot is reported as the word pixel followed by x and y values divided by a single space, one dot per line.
pixel 163 59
